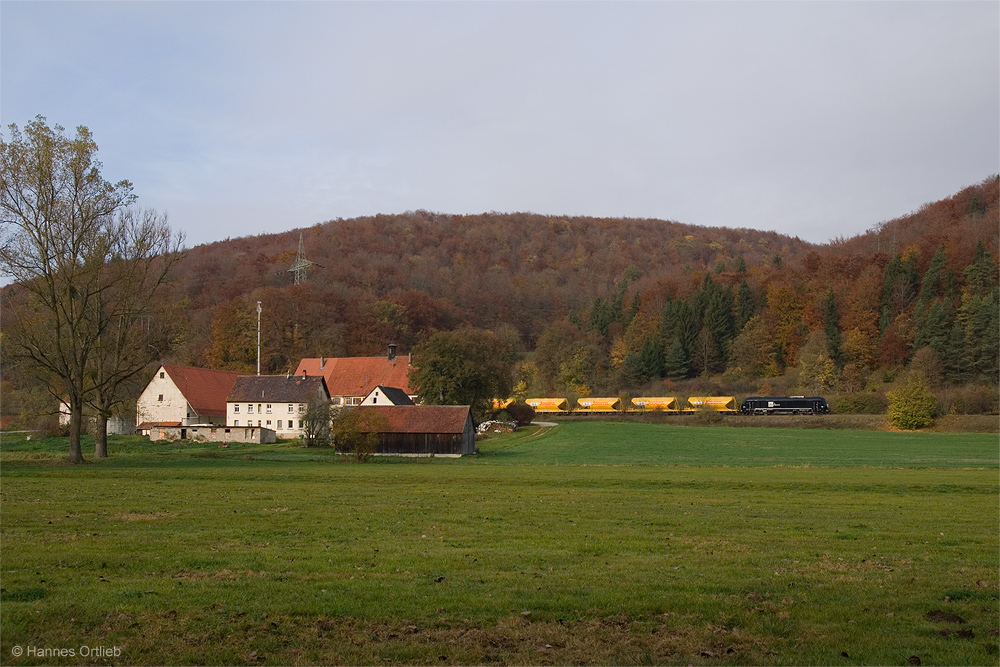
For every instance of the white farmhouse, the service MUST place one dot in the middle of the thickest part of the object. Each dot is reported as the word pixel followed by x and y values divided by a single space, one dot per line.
pixel 184 395
pixel 275 402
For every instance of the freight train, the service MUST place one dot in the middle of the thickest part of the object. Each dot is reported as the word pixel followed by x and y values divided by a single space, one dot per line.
pixel 752 405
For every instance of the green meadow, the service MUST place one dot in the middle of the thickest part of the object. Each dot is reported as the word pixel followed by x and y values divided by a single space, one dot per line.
pixel 587 543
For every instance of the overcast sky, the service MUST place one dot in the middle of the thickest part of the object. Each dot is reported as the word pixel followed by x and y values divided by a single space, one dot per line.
pixel 813 119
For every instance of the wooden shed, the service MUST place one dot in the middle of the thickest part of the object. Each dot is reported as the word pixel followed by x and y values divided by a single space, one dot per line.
pixel 426 430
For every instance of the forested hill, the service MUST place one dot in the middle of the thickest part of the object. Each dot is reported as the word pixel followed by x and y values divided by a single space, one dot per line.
pixel 395 278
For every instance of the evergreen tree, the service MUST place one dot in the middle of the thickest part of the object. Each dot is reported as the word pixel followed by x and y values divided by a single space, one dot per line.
pixel 934 282
pixel 633 309
pixel 831 327
pixel 686 328
pixel 646 362
pixel 720 322
pixel 601 316
pixel 981 274
pixel 935 329
pixel 746 305
pixel 677 361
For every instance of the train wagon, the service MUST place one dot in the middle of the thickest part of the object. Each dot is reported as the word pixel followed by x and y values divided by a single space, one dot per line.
pixel 612 404
pixel 725 404
pixel 547 405
pixel 784 405
pixel 661 403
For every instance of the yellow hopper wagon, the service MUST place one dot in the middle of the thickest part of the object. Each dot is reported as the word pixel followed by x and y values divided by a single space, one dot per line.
pixel 725 404
pixel 586 405
pixel 656 403
pixel 547 405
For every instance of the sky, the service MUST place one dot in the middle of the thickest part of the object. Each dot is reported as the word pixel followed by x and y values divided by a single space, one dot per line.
pixel 813 119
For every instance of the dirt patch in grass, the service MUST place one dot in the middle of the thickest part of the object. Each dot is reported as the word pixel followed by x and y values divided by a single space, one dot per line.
pixel 133 516
pixel 515 640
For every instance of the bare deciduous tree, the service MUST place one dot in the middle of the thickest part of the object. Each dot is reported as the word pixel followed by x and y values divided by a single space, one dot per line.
pixel 82 255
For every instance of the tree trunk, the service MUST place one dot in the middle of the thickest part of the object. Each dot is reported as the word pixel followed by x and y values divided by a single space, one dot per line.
pixel 101 435
pixel 75 430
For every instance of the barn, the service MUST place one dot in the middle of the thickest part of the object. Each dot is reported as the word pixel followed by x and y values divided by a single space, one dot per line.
pixel 425 430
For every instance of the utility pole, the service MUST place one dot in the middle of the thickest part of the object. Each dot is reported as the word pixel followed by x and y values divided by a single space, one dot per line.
pixel 258 338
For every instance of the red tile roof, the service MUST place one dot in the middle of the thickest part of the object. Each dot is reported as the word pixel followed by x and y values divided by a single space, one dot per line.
pixel 423 418
pixel 204 389
pixel 356 376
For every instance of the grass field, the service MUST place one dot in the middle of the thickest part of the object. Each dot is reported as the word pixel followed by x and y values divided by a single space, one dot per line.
pixel 589 543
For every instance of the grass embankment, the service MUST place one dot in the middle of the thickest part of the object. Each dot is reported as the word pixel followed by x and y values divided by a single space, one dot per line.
pixel 585 544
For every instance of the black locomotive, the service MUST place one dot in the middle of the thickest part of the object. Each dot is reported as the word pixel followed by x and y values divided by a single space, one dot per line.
pixel 784 405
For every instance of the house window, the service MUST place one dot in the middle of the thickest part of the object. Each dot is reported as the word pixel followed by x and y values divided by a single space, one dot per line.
pixel 160 399
pixel 161 374
pixel 250 408
pixel 259 411
pixel 236 422
pixel 268 408
pixel 335 400
pixel 268 422
pixel 300 423
pixel 279 423
pixel 236 408
pixel 302 407
pixel 291 408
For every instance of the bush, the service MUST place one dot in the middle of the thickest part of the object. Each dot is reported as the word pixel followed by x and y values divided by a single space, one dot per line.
pixel 912 405
pixel 969 401
pixel 861 403
pixel 521 413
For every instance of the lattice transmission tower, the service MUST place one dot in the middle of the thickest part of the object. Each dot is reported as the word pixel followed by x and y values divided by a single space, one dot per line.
pixel 300 267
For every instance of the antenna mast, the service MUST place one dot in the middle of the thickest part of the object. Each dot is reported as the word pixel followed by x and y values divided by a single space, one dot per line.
pixel 301 265
pixel 258 337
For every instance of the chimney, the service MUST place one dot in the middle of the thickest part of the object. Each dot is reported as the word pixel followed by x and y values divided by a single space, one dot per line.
pixel 322 362
pixel 392 351
pixel 304 373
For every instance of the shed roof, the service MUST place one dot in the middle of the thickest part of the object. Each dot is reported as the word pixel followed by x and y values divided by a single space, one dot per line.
pixel 204 389
pixel 277 388
pixel 423 418
pixel 356 376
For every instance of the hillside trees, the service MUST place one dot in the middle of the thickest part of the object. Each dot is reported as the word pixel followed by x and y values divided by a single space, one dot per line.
pixel 86 262
pixel 464 367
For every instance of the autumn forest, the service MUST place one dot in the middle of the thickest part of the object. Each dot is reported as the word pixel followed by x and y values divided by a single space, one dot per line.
pixel 599 306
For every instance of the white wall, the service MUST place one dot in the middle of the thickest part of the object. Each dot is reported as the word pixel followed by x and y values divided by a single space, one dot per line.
pixel 239 414
pixel 172 407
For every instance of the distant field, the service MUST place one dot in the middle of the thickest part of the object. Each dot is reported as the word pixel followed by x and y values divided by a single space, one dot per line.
pixel 589 543
pixel 630 443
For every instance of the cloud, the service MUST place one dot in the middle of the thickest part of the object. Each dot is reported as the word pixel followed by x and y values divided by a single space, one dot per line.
pixel 814 119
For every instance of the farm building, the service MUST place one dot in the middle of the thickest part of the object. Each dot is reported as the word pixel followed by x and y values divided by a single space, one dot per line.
pixel 386 396
pixel 425 430
pixel 351 379
pixel 275 402
pixel 184 395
